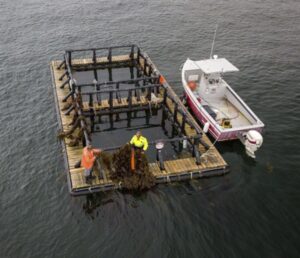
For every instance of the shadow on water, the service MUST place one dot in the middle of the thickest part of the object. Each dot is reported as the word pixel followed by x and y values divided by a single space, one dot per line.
pixel 93 202
pixel 237 148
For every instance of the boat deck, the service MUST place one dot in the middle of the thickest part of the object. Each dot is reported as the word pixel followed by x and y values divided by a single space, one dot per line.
pixel 212 162
pixel 228 110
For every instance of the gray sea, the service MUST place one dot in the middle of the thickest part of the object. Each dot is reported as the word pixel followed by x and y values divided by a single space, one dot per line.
pixel 252 212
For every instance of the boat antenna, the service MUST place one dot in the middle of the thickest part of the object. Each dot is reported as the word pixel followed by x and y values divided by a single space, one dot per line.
pixel 212 46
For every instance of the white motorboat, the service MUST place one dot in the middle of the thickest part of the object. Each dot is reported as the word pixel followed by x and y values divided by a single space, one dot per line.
pixel 217 106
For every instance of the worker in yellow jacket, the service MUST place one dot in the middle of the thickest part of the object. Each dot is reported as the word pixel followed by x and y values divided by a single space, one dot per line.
pixel 139 144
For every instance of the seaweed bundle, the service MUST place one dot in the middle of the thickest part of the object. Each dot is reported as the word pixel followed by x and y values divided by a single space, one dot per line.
pixel 119 165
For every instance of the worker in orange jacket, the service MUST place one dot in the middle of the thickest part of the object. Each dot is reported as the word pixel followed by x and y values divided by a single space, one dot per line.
pixel 88 159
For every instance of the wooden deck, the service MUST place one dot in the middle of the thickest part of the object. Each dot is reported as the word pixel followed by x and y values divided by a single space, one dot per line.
pixel 212 162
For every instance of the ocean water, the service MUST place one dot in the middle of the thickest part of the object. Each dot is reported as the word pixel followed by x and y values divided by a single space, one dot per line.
pixel 252 212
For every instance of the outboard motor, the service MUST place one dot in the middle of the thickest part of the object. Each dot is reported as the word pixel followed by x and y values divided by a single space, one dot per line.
pixel 252 141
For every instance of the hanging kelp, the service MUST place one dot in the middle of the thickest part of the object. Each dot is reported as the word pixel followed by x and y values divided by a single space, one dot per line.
pixel 119 162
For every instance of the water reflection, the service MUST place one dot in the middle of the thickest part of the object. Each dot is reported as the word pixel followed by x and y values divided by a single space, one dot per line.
pixel 93 201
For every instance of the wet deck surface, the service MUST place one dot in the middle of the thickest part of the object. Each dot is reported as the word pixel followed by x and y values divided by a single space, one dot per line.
pixel 181 168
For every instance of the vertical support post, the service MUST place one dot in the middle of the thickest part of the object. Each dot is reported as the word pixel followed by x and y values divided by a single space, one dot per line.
pixel 183 123
pixel 138 91
pixel 110 77
pixel 95 63
pixel 131 72
pixel 159 158
pixel 98 95
pixel 94 57
pixel 174 119
pixel 129 106
pixel 145 66
pixel 138 75
pixel 92 118
pixel 83 140
pixel 117 92
pixel 70 58
pixel 156 81
pixel 165 96
pixel 131 56
pixel 144 80
pixel 111 106
pixel 150 70
pixel 147 112
pixel 91 100
pixel 180 146
pixel 95 74
pixel 163 118
pixel 149 91
pixel 109 57
pixel 139 56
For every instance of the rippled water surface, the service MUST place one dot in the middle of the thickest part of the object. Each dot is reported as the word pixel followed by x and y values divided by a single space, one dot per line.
pixel 252 212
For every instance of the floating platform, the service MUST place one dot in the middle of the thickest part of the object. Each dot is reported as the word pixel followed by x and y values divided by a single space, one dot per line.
pixel 104 104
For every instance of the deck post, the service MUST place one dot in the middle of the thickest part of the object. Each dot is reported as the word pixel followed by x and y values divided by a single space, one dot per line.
pixel 138 91
pixel 139 56
pixel 90 100
pixel 163 118
pixel 110 77
pixel 129 106
pixel 165 96
pixel 92 118
pixel 149 70
pixel 159 158
pixel 145 66
pixel 149 94
pixel 131 56
pixel 70 58
pixel 83 141
pixel 147 113
pixel 95 74
pixel 183 124
pixel 94 57
pixel 111 106
pixel 131 72
pixel 118 93
pixel 109 57
pixel 175 121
